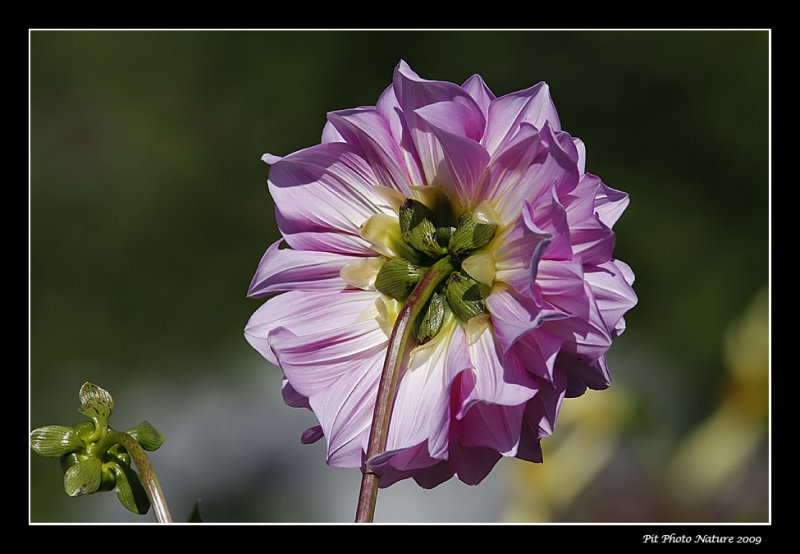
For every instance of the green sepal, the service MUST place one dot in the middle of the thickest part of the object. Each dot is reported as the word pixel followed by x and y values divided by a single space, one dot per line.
pixel 470 235
pixel 398 277
pixel 147 436
pixel 130 491
pixel 429 322
pixel 53 441
pixel 465 296
pixel 84 477
pixel 418 230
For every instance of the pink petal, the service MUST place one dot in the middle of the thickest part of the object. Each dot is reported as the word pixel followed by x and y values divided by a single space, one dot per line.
pixel 312 435
pixel 270 159
pixel 470 464
pixel 338 371
pixel 292 397
pixel 520 250
pixel 514 315
pixel 465 159
pixel 493 426
pixel 413 92
pixel 286 269
pixel 582 373
pixel 506 183
pixel 580 202
pixel 473 464
pixel 539 418
pixel 507 113
pixel 325 189
pixel 421 412
pixel 366 128
pixel 550 216
pixel 304 312
pixel 394 465
pixel 610 204
pixel 585 338
pixel 434 475
pixel 593 242
pixel 331 134
pixel 537 352
pixel 611 286
pixel 493 380
pixel 560 283
pixel 559 169
pixel 477 88
pixel 388 107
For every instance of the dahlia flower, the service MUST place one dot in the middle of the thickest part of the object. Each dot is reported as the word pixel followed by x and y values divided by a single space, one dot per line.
pixel 490 195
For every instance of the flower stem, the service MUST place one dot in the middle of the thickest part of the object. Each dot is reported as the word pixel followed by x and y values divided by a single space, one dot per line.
pixel 396 353
pixel 148 476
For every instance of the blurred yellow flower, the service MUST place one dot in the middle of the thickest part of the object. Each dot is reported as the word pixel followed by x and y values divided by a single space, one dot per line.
pixel 720 449
pixel 588 436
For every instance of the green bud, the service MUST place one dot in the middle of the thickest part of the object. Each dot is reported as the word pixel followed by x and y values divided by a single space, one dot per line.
pixel 429 322
pixel 398 277
pixel 418 230
pixel 53 441
pixel 464 295
pixel 469 235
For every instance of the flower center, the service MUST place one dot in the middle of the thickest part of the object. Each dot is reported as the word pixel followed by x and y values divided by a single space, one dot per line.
pixel 421 236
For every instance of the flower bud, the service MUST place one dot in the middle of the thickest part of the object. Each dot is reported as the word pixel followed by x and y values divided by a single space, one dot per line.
pixel 464 295
pixel 470 235
pixel 429 322
pixel 398 277
pixel 418 229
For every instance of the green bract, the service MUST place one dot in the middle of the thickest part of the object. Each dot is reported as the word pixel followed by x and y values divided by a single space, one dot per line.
pixel 469 235
pixel 430 322
pixel 431 232
pixel 398 277
pixel 464 295
pixel 418 230
pixel 93 456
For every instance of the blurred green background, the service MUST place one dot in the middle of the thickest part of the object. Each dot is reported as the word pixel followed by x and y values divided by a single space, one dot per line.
pixel 149 213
